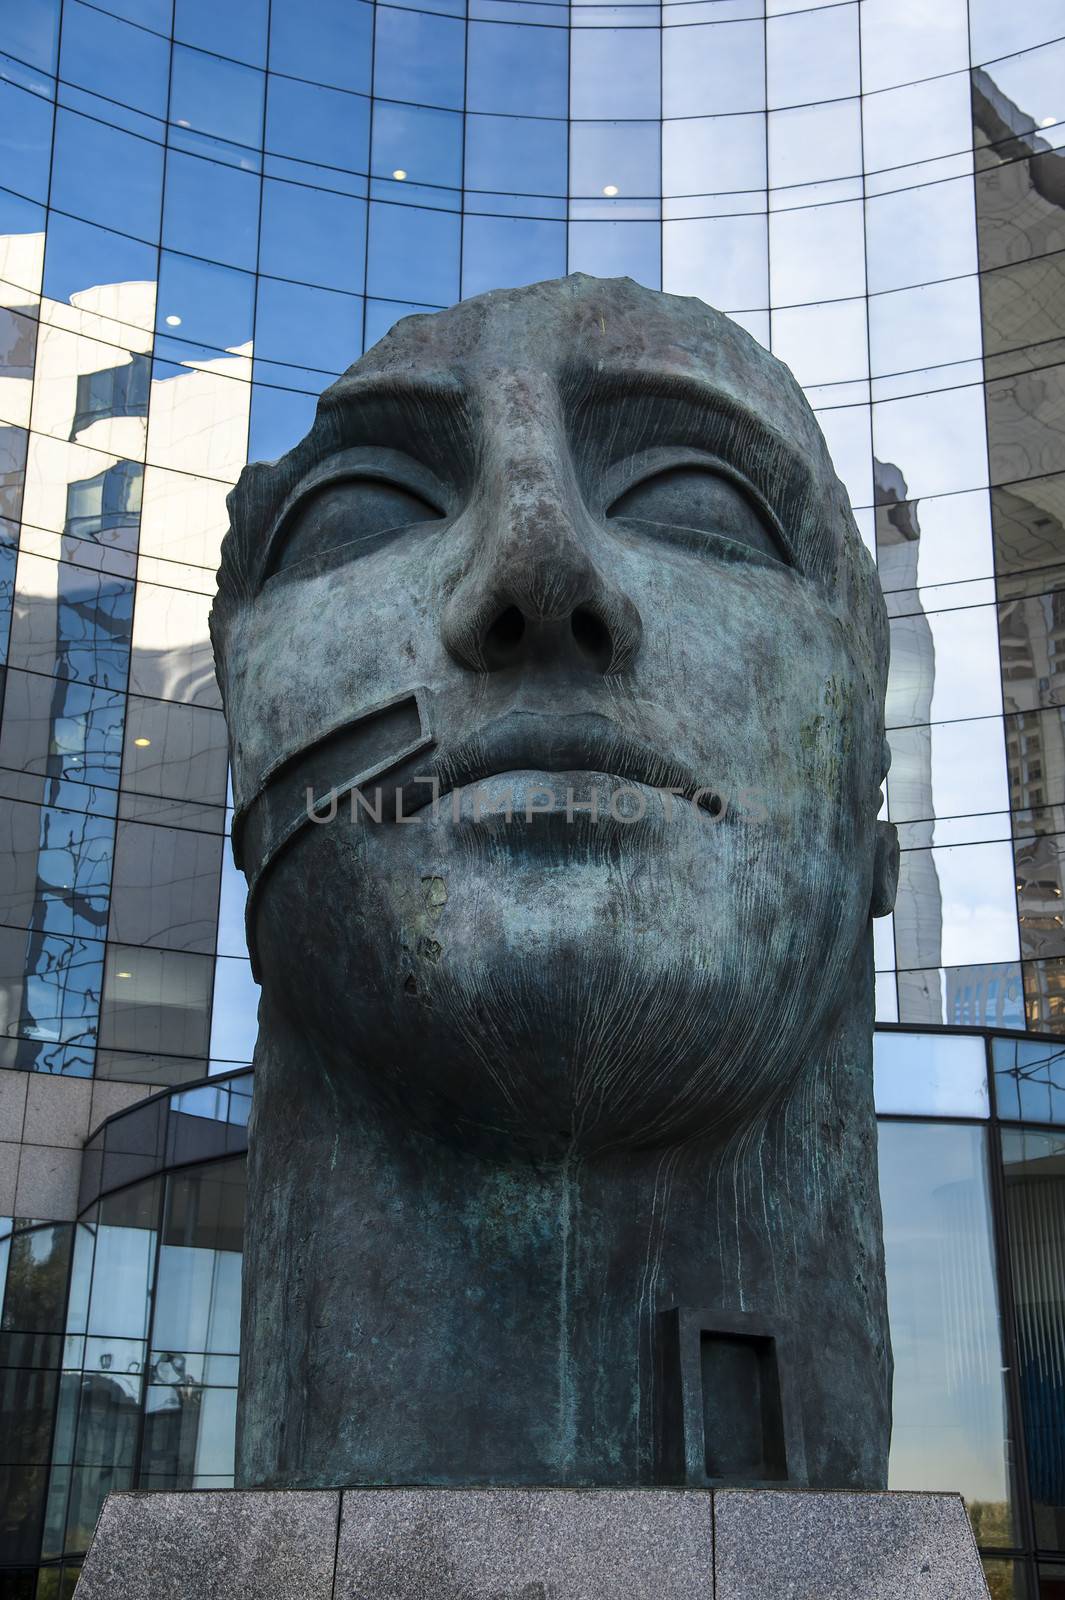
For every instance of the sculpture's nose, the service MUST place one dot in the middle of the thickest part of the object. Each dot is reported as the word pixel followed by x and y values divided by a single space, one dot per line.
pixel 534 591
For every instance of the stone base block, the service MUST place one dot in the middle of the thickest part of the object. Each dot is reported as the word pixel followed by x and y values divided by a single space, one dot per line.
pixel 532 1544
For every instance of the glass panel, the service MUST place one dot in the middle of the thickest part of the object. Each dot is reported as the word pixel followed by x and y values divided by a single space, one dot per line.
pixel 198 423
pixel 519 155
pixel 317 124
pixel 916 122
pixel 80 258
pixel 919 1074
pixel 61 729
pixel 929 326
pixel 937 440
pixel 213 305
pixel 713 67
pixel 949 1428
pixel 944 666
pixel 518 69
pixel 55 870
pixel 420 57
pixel 216 96
pixel 617 249
pixel 197 1303
pixel 620 156
pixel 1033 84
pixel 1034 1168
pixel 916 235
pixel 105 1396
pixel 414 254
pixel 946 770
pixel 31 32
pixel 997 29
pixel 1025 428
pixel 920 40
pixel 125 63
pixel 164 888
pixel 812 55
pixel 614 72
pixel 171 657
pixel 816 253
pixel 1044 995
pixel 506 252
pixel 211 210
pixel 313 327
pixel 713 155
pixel 1006 1580
pixel 236 29
pixel 823 344
pixel 722 260
pixel 156 1001
pixel 279 418
pixel 813 144
pixel 1039 892
pixel 25 140
pixel 105 175
pixel 956 906
pixel 174 751
pixel 1029 524
pixel 328 42
pixel 424 144
pixel 1029 1080
pixel 69 622
pixel 234 1023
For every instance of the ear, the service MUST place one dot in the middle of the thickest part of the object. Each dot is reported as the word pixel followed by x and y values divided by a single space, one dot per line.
pixel 885 869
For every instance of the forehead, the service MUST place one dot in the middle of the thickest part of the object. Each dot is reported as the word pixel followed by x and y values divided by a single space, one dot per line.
pixel 589 335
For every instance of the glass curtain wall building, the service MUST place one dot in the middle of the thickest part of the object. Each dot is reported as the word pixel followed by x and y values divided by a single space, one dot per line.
pixel 206 213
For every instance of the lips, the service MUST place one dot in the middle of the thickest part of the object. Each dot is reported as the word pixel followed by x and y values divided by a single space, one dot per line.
pixel 535 742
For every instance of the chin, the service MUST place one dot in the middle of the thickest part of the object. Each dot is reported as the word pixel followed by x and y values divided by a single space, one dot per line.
pixel 554 1053
pixel 601 995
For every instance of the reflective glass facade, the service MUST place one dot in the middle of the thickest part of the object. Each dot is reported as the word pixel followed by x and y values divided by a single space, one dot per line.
pixel 208 211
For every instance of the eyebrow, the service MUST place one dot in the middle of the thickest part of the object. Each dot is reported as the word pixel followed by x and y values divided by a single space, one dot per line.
pixel 359 405
pixel 671 408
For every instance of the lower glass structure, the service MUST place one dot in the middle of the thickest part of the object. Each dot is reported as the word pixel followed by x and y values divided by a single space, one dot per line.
pixel 119 1333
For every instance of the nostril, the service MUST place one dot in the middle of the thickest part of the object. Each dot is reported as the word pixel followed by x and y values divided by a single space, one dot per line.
pixel 503 637
pixel 593 637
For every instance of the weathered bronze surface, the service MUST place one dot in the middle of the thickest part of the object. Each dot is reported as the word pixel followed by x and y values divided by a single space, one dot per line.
pixel 563 1163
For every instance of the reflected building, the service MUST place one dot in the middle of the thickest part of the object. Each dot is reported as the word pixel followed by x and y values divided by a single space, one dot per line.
pixel 206 213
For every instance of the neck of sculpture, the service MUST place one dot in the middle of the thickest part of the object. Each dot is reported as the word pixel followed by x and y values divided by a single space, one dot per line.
pixel 418 1313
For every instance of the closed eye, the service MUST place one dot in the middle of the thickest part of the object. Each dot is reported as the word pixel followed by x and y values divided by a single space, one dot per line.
pixel 353 514
pixel 695 506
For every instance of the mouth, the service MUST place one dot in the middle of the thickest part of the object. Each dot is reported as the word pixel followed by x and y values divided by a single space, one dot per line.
pixel 390 747
pixel 531 742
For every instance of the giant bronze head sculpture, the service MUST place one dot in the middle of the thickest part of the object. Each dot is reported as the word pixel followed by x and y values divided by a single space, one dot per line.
pixel 554 669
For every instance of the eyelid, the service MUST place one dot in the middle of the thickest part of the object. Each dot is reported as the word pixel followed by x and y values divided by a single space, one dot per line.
pixel 697 538
pixel 696 460
pixel 397 472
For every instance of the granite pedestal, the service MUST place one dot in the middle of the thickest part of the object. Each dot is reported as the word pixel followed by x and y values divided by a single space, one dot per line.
pixel 532 1544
